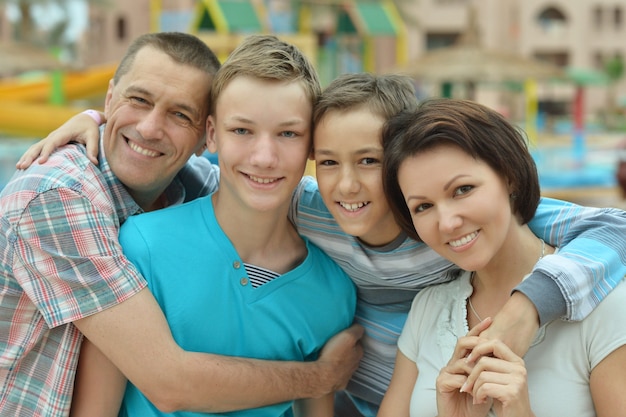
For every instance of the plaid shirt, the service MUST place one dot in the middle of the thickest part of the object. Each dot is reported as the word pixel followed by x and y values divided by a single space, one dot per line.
pixel 60 261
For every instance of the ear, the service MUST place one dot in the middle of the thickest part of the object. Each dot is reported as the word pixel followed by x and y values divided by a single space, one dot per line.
pixel 108 98
pixel 211 140
pixel 201 146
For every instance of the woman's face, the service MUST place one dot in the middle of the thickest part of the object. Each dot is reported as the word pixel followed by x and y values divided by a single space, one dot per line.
pixel 459 205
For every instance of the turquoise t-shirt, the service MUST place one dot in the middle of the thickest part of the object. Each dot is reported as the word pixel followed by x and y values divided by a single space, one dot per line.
pixel 201 284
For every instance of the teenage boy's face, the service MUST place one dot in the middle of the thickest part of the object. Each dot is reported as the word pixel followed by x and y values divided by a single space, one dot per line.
pixel 156 117
pixel 262 132
pixel 348 159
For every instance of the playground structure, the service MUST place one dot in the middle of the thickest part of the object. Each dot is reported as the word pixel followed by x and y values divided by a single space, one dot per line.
pixel 34 107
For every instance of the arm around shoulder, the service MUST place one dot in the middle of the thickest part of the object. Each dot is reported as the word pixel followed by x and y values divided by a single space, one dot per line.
pixel 135 336
pixel 589 263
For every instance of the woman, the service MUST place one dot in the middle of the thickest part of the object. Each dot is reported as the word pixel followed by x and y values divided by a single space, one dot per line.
pixel 460 178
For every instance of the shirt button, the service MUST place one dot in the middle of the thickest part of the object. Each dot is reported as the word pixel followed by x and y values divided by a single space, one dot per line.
pixel 243 281
pixel 236 264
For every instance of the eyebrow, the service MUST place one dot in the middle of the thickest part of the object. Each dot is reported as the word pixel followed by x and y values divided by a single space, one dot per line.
pixel 445 188
pixel 241 119
pixel 447 185
pixel 359 152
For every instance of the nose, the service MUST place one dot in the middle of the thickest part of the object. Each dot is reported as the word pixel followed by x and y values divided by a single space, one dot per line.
pixel 264 151
pixel 151 125
pixel 348 180
pixel 449 218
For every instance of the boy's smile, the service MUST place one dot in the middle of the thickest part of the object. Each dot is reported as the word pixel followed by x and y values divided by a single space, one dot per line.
pixel 348 158
pixel 263 144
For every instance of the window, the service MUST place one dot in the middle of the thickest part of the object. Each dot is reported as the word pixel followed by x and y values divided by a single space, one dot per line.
pixel 440 40
pixel 121 28
pixel 551 19
pixel 597 17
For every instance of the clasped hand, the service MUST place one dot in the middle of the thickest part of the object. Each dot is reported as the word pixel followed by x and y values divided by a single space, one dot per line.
pixel 492 377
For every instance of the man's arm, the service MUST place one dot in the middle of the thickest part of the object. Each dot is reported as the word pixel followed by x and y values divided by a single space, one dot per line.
pixel 93 285
pixel 135 336
pixel 99 386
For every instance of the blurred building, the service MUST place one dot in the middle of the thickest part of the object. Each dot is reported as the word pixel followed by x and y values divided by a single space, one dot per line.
pixel 580 35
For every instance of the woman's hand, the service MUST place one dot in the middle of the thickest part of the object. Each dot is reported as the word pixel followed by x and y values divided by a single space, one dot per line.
pixel 81 128
pixel 499 375
pixel 452 398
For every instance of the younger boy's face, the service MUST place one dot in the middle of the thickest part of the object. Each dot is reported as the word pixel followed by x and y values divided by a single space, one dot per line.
pixel 348 159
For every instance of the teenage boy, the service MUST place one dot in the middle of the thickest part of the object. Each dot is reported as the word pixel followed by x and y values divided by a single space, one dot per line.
pixel 229 270
pixel 63 274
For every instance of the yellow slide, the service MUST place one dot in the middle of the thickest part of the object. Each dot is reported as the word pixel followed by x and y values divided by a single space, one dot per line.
pixel 23 103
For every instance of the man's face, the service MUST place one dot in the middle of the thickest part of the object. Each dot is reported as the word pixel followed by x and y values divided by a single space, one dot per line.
pixel 156 117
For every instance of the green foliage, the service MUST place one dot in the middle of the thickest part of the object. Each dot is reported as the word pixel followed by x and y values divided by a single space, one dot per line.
pixel 614 68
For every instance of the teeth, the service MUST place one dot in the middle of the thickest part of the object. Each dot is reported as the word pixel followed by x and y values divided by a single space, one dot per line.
pixel 261 180
pixel 142 151
pixel 463 240
pixel 352 206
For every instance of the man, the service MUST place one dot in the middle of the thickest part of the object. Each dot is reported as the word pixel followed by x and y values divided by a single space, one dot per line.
pixel 63 272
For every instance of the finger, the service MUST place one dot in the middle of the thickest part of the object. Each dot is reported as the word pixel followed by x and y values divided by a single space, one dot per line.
pixel 464 346
pixel 499 359
pixel 480 327
pixel 92 154
pixel 448 382
pixel 92 142
pixel 495 348
pixel 30 155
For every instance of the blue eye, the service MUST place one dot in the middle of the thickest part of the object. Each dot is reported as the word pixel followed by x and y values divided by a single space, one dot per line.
pixel 464 189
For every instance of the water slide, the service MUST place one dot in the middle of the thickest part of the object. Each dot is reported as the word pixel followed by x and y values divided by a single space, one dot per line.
pixel 24 103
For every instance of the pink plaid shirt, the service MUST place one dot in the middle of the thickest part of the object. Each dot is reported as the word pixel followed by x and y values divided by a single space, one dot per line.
pixel 60 261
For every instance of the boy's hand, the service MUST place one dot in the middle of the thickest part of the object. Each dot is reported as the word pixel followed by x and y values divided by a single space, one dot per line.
pixel 81 128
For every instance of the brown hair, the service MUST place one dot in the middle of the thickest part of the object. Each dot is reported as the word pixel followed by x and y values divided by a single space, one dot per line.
pixel 476 129
pixel 384 95
pixel 181 47
pixel 267 58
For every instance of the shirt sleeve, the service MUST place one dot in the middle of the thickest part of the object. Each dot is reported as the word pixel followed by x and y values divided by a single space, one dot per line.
pixel 199 177
pixel 68 258
pixel 591 258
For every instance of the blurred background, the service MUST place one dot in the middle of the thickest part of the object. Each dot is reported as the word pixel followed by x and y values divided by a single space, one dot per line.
pixel 554 67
